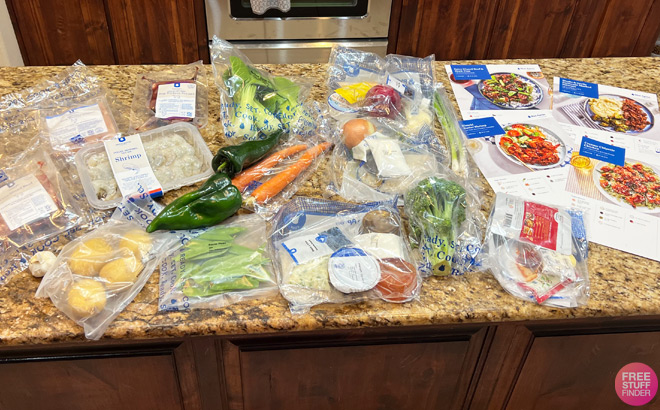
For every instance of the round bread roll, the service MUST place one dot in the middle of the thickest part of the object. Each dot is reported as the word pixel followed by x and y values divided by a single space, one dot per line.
pixel 90 256
pixel 138 241
pixel 123 269
pixel 86 297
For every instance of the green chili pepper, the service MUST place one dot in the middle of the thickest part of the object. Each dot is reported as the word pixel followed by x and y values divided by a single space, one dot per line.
pixel 235 157
pixel 216 200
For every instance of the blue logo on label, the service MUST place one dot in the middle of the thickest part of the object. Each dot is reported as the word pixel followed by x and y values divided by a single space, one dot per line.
pixel 322 238
pixel 351 69
pixel 3 176
pixel 177 85
pixel 122 139
pixel 481 127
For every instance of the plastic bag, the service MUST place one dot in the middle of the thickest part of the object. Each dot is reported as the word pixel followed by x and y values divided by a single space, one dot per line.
pixel 373 160
pixel 334 252
pixel 397 88
pixel 97 275
pixel 269 183
pixel 252 100
pixel 219 266
pixel 446 115
pixel 34 202
pixel 175 94
pixel 538 252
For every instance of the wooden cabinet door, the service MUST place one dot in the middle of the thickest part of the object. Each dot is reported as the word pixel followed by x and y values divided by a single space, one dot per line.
pixel 59 32
pixel 158 31
pixel 395 372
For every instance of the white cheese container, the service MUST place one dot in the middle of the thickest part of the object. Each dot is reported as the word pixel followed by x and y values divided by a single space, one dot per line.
pixel 176 152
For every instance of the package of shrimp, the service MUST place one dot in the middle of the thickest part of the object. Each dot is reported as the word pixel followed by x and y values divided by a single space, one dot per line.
pixel 335 252
pixel 268 184
pixel 169 95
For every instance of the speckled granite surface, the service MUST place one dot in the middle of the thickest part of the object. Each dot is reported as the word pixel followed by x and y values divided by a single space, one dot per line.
pixel 621 284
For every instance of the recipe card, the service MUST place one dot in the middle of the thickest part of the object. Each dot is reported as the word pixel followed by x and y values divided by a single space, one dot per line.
pixel 524 154
pixel 614 175
pixel 499 89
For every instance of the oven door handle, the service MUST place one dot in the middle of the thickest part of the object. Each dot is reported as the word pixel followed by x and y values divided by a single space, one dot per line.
pixel 273 45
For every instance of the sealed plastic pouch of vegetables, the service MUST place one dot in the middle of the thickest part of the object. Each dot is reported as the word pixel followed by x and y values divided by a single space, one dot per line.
pixel 255 104
pixel 175 94
pixel 219 266
pixel 334 252
pixel 538 252
pixel 97 275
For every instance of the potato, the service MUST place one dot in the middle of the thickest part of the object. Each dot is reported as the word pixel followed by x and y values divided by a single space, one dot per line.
pixel 86 297
pixel 90 256
pixel 138 241
pixel 124 269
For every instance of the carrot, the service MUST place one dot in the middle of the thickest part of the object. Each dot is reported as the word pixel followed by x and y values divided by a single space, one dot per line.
pixel 277 183
pixel 242 180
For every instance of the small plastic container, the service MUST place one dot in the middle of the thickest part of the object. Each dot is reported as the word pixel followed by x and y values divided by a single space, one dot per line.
pixel 164 158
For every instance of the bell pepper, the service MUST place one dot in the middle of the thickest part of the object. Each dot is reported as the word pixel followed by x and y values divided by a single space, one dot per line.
pixel 233 158
pixel 216 200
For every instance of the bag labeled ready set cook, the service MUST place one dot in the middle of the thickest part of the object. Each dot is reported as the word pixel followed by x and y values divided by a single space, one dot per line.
pixel 334 252
pixel 538 252
pixel 255 104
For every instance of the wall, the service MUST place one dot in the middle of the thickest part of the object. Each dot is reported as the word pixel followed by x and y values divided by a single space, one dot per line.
pixel 10 55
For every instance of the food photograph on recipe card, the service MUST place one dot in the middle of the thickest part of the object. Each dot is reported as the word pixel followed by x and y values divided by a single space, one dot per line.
pixel 524 154
pixel 494 89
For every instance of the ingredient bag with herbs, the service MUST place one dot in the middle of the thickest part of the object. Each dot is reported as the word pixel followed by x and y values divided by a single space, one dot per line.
pixel 445 225
pixel 334 252
pixel 538 252
pixel 252 100
pixel 374 159
pixel 395 88
pixel 175 94
pixel 219 266
pixel 97 275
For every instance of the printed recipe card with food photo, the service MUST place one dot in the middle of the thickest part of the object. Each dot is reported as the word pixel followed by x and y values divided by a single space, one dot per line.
pixel 615 172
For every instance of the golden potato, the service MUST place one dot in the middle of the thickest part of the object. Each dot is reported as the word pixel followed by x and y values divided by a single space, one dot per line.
pixel 124 269
pixel 86 297
pixel 90 256
pixel 138 241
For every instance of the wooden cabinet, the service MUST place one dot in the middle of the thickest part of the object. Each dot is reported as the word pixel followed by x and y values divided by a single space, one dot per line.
pixel 59 32
pixel 484 29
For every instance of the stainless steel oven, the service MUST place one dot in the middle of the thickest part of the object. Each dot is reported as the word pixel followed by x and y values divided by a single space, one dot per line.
pixel 305 33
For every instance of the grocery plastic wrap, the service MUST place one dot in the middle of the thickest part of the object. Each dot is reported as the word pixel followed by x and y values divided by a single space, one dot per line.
pixel 446 115
pixel 97 275
pixel 374 160
pixel 174 94
pixel 219 266
pixel 269 183
pixel 252 100
pixel 538 252
pixel 35 204
pixel 395 88
pixel 334 252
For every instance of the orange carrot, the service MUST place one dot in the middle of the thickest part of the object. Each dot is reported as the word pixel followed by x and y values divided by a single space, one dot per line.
pixel 242 180
pixel 277 183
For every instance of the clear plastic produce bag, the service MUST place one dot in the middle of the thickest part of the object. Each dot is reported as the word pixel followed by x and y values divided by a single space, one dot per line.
pixel 175 94
pixel 253 101
pixel 334 252
pixel 219 266
pixel 97 275
pixel 538 252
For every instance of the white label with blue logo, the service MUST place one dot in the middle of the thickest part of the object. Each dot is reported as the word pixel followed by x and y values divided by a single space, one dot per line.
pixel 176 100
pixel 23 201
pixel 306 248
pixel 352 270
pixel 76 124
pixel 131 167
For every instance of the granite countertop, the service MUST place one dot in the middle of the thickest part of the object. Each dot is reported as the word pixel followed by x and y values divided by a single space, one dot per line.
pixel 621 284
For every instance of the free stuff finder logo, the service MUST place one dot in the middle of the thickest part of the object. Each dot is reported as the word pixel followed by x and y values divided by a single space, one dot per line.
pixel 636 384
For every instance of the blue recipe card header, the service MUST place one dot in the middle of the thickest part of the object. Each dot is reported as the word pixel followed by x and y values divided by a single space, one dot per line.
pixel 470 72
pixel 575 87
pixel 605 152
pixel 481 127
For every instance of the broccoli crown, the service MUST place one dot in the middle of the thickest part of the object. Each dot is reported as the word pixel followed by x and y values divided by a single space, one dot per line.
pixel 437 201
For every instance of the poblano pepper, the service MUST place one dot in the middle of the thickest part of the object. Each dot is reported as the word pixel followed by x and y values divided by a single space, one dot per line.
pixel 235 157
pixel 216 200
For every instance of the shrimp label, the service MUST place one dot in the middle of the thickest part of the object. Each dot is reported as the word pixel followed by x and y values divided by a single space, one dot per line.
pixel 25 200
pixel 131 167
